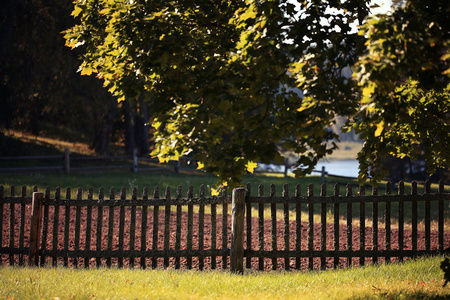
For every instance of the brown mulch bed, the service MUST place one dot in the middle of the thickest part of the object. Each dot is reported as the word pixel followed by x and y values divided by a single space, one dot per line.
pixel 5 242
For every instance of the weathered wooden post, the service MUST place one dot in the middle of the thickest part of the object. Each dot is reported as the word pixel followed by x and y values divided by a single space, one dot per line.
pixel 323 174
pixel 35 231
pixel 237 231
pixel 178 166
pixel 67 160
pixel 286 167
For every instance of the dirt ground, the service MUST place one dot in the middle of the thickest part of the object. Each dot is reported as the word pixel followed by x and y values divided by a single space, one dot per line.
pixel 17 242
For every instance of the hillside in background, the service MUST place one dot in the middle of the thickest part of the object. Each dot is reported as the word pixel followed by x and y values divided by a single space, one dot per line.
pixel 18 143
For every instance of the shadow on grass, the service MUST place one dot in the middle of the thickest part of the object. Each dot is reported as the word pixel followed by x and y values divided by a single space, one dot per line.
pixel 404 295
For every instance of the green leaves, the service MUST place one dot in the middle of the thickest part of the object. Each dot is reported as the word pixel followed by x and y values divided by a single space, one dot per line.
pixel 231 82
pixel 405 95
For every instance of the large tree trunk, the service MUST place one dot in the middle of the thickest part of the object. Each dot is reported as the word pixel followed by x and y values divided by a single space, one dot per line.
pixel 8 12
pixel 130 141
pixel 35 115
pixel 141 125
pixel 102 136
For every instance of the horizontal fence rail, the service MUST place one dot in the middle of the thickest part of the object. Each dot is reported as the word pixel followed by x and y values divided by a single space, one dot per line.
pixel 259 230
pixel 69 163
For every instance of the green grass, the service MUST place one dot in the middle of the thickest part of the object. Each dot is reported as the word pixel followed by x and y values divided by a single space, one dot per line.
pixel 140 180
pixel 127 179
pixel 414 279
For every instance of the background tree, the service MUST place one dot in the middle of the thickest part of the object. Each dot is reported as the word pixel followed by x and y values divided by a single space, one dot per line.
pixel 404 76
pixel 221 77
pixel 40 89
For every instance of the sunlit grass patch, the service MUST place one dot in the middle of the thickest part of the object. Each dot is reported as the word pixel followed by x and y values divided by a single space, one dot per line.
pixel 420 278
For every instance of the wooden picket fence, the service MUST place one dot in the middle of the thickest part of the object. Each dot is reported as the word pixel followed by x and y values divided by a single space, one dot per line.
pixel 203 232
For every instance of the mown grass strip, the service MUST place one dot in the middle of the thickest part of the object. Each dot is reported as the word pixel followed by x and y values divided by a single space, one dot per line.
pixel 417 279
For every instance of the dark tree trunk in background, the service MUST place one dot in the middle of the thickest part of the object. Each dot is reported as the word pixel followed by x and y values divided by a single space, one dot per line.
pixel 35 115
pixel 141 126
pixel 102 136
pixel 130 140
pixel 7 15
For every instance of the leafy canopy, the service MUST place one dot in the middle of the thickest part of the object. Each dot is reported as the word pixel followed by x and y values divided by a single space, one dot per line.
pixel 404 74
pixel 233 82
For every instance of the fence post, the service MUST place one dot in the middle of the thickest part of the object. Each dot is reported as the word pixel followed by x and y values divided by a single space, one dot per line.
pixel 178 166
pixel 286 167
pixel 67 160
pixel 237 231
pixel 135 160
pixel 323 173
pixel 36 224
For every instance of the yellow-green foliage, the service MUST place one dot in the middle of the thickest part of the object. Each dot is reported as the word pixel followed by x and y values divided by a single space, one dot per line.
pixel 417 279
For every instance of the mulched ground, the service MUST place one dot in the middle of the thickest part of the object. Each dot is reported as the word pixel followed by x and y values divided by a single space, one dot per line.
pixel 17 242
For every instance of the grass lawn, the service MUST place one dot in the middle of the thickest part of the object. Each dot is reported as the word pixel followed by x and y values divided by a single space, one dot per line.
pixel 119 179
pixel 414 279
pixel 127 179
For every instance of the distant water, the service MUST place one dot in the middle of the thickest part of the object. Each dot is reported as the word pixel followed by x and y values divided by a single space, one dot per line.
pixel 349 168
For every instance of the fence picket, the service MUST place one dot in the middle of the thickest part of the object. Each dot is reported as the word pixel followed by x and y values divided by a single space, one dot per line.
pixel 55 226
pixel 285 194
pixel 273 213
pixel 22 223
pixel 298 225
pixel 310 226
pixel 121 226
pixel 441 217
pixel 190 222
pixel 88 227
pixel 388 222
pixel 11 225
pixel 45 224
pixel 110 225
pixel 178 228
pixel 401 218
pixel 101 197
pixel 2 189
pixel 166 227
pixel 201 228
pixel 225 228
pixel 133 226
pixel 323 226
pixel 155 227
pixel 336 225
pixel 349 224
pixel 427 217
pixel 144 217
pixel 375 224
pixel 66 226
pixel 248 211
pixel 414 216
pixel 77 225
pixel 261 227
pixel 213 234
pixel 362 224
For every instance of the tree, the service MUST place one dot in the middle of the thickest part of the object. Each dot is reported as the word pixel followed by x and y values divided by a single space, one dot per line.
pixel 404 76
pixel 40 90
pixel 220 76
